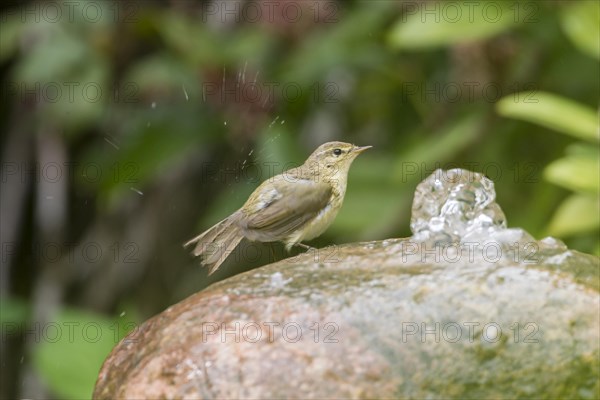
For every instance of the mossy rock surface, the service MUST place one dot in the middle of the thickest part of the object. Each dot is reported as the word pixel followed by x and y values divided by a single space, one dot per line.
pixel 366 321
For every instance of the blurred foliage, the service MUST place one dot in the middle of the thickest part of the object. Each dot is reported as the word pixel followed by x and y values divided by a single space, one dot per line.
pixel 553 112
pixel 450 24
pixel 76 345
pixel 580 23
pixel 579 170
pixel 170 114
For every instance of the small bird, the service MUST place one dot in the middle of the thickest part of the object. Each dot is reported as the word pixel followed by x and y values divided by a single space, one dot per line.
pixel 298 204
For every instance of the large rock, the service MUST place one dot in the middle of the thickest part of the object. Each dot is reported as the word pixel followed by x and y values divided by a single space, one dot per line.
pixel 496 316
pixel 372 326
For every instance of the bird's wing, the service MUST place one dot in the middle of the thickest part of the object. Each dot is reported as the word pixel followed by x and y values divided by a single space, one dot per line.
pixel 280 207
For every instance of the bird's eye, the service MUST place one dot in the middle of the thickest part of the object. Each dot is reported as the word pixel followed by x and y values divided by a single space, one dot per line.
pixel 337 152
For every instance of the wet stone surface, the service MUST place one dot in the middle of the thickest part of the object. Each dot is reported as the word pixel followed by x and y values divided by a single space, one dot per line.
pixel 466 308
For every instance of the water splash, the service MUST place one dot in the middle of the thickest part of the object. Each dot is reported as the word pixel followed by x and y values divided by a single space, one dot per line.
pixel 457 210
pixel 454 204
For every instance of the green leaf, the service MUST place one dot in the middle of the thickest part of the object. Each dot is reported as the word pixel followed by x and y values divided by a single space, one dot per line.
pixel 71 351
pixel 581 22
pixel 578 213
pixel 552 111
pixel 577 173
pixel 436 24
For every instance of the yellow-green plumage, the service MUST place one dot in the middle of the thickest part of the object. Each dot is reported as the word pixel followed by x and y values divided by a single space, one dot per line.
pixel 297 205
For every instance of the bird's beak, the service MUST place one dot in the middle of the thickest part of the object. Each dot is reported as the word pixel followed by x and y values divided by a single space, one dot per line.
pixel 359 150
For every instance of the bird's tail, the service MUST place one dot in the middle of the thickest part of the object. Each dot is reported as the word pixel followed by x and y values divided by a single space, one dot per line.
pixel 216 243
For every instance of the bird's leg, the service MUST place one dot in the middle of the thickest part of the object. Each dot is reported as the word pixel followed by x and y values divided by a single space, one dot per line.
pixel 304 246
pixel 272 251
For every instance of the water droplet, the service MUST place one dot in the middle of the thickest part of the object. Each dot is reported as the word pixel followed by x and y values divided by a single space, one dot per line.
pixel 274 121
pixel 107 140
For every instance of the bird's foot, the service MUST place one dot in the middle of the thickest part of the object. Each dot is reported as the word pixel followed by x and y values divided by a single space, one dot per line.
pixel 304 246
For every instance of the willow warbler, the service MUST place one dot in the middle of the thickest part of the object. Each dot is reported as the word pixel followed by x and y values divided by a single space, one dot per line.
pixel 298 204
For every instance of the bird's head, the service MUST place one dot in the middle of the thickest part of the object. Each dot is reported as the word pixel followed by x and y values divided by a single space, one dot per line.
pixel 332 160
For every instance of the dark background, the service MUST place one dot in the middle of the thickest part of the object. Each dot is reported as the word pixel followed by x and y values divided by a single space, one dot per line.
pixel 129 127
